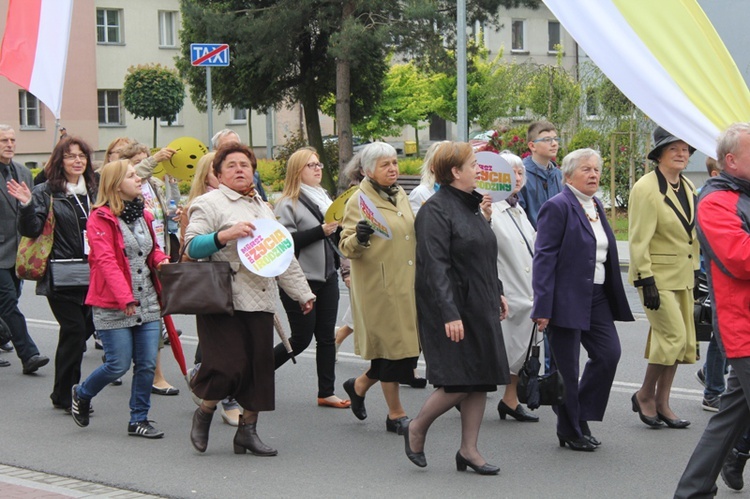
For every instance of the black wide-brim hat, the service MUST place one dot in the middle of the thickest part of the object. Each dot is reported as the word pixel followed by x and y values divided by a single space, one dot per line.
pixel 661 139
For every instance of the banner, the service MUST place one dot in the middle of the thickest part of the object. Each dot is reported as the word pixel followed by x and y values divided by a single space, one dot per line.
pixel 34 49
pixel 268 251
pixel 496 176
pixel 667 58
pixel 374 218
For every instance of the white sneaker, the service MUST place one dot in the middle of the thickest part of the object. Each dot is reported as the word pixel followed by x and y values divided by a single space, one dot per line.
pixel 230 412
pixel 191 374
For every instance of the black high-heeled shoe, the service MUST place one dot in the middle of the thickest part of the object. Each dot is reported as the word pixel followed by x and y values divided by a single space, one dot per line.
pixel 576 443
pixel 673 423
pixel 485 469
pixel 519 413
pixel 653 422
pixel 417 458
pixel 586 432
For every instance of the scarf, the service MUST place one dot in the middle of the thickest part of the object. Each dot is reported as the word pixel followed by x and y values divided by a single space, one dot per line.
pixel 133 211
pixel 317 195
pixel 512 200
pixel 389 192
pixel 78 189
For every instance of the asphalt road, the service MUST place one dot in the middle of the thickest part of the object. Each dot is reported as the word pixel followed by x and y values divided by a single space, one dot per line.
pixel 329 453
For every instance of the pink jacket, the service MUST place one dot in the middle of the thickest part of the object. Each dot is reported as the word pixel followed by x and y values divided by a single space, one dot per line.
pixel 111 283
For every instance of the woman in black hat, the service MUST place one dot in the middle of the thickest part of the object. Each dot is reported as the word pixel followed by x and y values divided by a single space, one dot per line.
pixel 664 257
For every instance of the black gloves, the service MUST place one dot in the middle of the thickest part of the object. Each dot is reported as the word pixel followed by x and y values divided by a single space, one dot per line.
pixel 651 297
pixel 364 231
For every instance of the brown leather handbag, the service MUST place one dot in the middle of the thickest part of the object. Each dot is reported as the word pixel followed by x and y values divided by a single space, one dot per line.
pixel 196 288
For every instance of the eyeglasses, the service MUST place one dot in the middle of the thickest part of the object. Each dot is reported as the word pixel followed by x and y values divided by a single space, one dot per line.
pixel 313 166
pixel 547 140
pixel 73 157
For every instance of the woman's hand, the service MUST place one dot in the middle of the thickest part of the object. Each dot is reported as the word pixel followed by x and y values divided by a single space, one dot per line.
pixel 503 308
pixel 130 309
pixel 19 191
pixel 164 154
pixel 541 324
pixel 236 231
pixel 307 306
pixel 165 261
pixel 486 206
pixel 330 228
pixel 455 330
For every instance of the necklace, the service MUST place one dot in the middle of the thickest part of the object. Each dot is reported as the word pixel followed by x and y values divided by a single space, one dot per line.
pixel 675 189
pixel 596 219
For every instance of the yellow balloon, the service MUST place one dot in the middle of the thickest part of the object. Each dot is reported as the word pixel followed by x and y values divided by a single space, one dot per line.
pixel 183 162
pixel 159 170
pixel 335 212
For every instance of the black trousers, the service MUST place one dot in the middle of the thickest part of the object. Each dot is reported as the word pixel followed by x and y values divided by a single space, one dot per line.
pixel 321 323
pixel 10 292
pixel 76 326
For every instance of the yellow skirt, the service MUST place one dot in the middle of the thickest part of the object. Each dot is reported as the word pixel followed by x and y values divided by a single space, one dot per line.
pixel 671 338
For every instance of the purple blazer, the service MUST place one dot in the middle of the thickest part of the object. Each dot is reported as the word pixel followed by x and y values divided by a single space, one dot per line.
pixel 564 264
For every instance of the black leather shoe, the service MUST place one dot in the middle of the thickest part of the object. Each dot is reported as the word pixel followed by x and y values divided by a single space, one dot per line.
pixel 4 363
pixel 358 403
pixel 485 469
pixel 417 382
pixel 417 458
pixel 674 423
pixel 576 443
pixel 34 363
pixel 396 425
pixel 653 422
pixel 519 413
pixel 586 431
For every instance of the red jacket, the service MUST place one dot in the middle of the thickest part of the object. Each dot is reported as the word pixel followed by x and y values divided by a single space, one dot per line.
pixel 724 234
pixel 111 283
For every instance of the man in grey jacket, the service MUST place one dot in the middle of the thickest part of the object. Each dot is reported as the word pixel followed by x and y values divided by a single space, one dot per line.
pixel 10 285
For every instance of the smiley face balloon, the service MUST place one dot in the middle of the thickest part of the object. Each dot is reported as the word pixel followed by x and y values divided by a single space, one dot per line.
pixel 159 170
pixel 188 151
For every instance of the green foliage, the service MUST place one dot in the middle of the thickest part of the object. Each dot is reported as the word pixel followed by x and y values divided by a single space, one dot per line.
pixel 410 166
pixel 586 138
pixel 294 141
pixel 184 186
pixel 270 175
pixel 153 91
pixel 553 94
pixel 627 146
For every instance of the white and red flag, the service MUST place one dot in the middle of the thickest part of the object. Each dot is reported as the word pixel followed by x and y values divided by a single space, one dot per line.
pixel 34 49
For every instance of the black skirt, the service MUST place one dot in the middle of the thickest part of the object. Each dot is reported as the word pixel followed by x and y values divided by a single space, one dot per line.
pixel 237 359
pixel 392 371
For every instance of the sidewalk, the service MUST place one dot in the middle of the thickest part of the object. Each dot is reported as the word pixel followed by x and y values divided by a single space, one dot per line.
pixel 623 251
pixel 18 483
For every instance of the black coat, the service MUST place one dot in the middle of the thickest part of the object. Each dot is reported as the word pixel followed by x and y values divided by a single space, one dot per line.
pixel 457 279
pixel 68 234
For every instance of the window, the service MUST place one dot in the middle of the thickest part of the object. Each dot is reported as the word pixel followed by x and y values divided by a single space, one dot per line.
pixel 592 103
pixel 29 110
pixel 108 26
pixel 239 115
pixel 553 30
pixel 110 112
pixel 175 120
pixel 518 36
pixel 167 28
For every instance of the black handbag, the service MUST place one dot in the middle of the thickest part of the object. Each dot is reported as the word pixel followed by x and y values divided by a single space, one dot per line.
pixel 534 389
pixel 702 313
pixel 69 273
pixel 196 288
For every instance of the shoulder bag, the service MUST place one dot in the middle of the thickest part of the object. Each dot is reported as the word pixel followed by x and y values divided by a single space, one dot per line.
pixel 33 253
pixel 69 273
pixel 534 389
pixel 196 288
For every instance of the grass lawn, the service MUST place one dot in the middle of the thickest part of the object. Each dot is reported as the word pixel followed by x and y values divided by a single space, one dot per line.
pixel 620 226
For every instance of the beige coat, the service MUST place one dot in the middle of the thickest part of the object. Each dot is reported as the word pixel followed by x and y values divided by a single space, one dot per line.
pixel 221 209
pixel 662 249
pixel 382 289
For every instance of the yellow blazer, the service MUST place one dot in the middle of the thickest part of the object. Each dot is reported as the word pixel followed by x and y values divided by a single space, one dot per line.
pixel 662 238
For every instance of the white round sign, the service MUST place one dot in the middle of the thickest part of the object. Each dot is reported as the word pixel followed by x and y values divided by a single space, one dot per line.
pixel 269 251
pixel 496 176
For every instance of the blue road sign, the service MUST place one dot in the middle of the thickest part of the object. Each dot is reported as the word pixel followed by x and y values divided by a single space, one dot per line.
pixel 209 54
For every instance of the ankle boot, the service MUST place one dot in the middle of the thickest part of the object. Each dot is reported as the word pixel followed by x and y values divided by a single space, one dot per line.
pixel 732 470
pixel 246 439
pixel 199 431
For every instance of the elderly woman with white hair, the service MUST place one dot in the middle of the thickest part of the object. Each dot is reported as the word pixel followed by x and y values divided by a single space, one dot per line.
pixel 382 285
pixel 578 294
pixel 515 242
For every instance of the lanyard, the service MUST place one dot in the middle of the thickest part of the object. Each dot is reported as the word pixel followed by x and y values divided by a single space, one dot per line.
pixel 88 203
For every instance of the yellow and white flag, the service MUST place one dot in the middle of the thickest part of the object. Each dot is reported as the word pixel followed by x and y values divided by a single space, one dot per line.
pixel 667 58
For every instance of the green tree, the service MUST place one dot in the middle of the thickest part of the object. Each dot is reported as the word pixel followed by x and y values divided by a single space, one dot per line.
pixel 153 92
pixel 553 93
